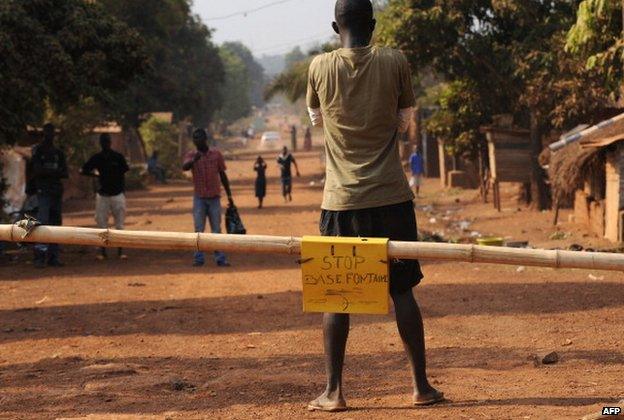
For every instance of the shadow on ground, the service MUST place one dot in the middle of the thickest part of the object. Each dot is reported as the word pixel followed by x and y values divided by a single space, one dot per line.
pixel 281 311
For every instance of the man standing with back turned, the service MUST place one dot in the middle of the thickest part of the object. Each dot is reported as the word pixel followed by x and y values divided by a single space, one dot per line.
pixel 363 97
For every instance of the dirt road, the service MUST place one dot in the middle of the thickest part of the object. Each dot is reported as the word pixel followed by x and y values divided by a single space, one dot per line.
pixel 153 337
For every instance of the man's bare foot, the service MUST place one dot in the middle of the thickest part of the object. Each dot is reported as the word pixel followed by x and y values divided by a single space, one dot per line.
pixel 431 397
pixel 328 403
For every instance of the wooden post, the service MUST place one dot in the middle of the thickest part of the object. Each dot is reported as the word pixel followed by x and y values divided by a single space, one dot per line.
pixel 248 244
pixel 496 194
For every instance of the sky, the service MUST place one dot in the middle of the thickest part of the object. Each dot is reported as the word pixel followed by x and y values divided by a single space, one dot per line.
pixel 273 30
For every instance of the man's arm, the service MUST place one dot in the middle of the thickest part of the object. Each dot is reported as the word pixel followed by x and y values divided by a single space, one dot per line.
pixel 224 179
pixel 88 168
pixel 296 166
pixel 407 100
pixel 226 186
pixel 405 117
pixel 188 165
pixel 124 165
pixel 312 100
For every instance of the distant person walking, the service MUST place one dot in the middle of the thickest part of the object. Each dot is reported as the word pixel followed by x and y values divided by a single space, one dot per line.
pixel 111 168
pixel 260 168
pixel 418 170
pixel 48 169
pixel 293 138
pixel 285 161
pixel 155 169
pixel 307 139
pixel 208 168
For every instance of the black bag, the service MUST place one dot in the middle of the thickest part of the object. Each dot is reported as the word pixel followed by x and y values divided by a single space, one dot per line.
pixel 233 223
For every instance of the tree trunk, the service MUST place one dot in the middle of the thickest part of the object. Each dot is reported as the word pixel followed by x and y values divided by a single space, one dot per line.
pixel 539 191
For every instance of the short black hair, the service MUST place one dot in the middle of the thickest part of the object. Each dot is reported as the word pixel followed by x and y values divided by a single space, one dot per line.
pixel 200 134
pixel 49 129
pixel 105 138
pixel 353 12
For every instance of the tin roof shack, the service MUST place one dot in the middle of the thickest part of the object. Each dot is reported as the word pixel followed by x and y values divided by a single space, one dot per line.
pixel 509 156
pixel 589 171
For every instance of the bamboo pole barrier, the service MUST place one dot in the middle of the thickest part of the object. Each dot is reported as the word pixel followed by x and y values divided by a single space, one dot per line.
pixel 248 244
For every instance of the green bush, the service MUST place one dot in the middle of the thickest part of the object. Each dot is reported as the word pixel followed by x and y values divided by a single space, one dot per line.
pixel 163 136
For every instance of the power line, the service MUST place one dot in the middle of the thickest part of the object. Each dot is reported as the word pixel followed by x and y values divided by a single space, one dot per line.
pixel 249 11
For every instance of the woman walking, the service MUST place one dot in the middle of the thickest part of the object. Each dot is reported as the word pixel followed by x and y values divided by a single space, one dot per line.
pixel 260 167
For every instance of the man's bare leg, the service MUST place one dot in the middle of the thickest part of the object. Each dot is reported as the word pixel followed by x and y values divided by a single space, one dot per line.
pixel 335 334
pixel 410 324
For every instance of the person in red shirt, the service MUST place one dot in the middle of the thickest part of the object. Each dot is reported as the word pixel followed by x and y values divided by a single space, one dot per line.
pixel 208 168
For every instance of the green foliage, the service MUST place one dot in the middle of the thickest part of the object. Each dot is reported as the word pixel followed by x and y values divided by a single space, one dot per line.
pixel 185 68
pixel 459 117
pixel 235 90
pixel 293 82
pixel 499 56
pixel 254 70
pixel 162 136
pixel 598 37
pixel 294 56
pixel 56 53
pixel 75 125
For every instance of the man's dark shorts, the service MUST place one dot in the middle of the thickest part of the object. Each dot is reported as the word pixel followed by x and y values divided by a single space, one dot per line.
pixel 396 222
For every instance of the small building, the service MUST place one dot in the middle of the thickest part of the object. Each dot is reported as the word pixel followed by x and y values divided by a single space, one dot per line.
pixel 455 172
pixel 127 142
pixel 588 172
pixel 509 156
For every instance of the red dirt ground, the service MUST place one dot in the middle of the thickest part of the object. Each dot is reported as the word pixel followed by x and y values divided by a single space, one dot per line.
pixel 152 337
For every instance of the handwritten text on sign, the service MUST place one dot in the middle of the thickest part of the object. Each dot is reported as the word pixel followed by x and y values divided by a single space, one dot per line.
pixel 345 275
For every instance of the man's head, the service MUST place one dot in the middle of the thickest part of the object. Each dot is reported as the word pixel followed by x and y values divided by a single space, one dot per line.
pixel 354 17
pixel 285 150
pixel 416 149
pixel 105 141
pixel 48 132
pixel 200 139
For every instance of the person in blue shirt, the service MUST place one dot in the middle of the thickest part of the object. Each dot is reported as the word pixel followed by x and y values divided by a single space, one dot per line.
pixel 418 170
pixel 156 169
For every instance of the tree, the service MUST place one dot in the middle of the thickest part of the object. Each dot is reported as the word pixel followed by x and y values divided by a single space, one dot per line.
pixel 499 49
pixel 236 89
pixel 254 70
pixel 185 68
pixel 58 53
pixel 598 37
pixel 293 81
pixel 294 56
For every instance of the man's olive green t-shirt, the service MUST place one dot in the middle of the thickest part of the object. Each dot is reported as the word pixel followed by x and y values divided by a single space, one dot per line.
pixel 360 92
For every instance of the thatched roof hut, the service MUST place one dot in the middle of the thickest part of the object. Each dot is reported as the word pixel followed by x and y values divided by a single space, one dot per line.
pixel 570 167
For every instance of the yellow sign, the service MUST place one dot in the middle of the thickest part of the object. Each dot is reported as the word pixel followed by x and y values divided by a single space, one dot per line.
pixel 345 275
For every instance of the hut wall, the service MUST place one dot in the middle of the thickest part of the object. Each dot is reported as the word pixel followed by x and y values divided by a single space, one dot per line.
pixel 597 217
pixel 510 155
pixel 614 200
pixel 581 208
